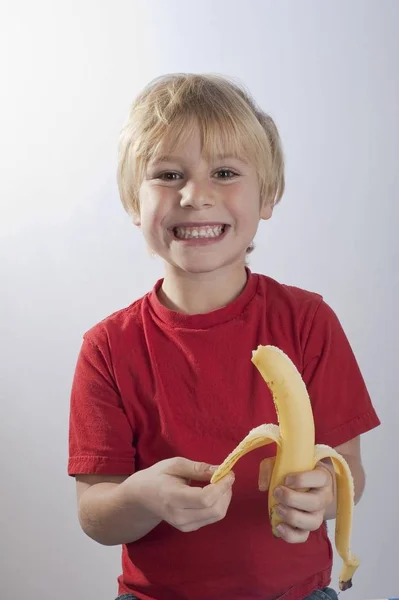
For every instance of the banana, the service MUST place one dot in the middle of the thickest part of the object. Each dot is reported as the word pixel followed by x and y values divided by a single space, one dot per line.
pixel 294 437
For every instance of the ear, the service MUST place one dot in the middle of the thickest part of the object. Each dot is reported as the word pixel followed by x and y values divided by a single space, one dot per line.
pixel 136 220
pixel 266 210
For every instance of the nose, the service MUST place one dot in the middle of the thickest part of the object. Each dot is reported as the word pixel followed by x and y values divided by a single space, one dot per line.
pixel 197 195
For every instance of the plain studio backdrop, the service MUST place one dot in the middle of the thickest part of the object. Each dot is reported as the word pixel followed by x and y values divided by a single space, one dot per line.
pixel 328 73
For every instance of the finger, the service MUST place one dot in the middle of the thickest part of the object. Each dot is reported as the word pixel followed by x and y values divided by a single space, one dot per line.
pixel 196 524
pixel 187 497
pixel 214 492
pixel 188 469
pixel 299 519
pixel 327 465
pixel 318 478
pixel 216 514
pixel 193 519
pixel 265 473
pixel 291 535
pixel 311 501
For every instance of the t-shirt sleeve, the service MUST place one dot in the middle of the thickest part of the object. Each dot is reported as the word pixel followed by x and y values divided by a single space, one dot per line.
pixel 100 433
pixel 341 403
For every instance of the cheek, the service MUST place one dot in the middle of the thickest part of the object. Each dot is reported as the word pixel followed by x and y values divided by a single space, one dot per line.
pixel 245 208
pixel 153 209
pixel 150 227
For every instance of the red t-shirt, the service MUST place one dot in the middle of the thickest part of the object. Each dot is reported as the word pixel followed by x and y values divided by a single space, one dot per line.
pixel 151 383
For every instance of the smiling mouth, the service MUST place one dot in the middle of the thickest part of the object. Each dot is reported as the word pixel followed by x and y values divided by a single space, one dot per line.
pixel 199 232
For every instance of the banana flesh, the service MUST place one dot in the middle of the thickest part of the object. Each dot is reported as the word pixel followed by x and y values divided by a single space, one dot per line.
pixel 294 437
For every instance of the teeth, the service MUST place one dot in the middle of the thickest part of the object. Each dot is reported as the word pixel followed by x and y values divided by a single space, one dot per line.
pixel 208 231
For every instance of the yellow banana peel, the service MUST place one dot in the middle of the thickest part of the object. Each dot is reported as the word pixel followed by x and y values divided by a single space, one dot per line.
pixel 296 449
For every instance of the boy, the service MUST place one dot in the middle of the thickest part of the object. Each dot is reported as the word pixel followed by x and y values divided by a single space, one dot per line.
pixel 164 389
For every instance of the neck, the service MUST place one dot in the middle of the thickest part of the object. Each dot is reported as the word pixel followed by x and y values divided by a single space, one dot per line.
pixel 199 293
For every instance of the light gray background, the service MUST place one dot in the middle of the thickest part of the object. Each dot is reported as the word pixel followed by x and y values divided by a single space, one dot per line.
pixel 328 72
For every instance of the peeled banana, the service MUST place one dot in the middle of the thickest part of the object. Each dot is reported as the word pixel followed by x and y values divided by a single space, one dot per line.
pixel 296 449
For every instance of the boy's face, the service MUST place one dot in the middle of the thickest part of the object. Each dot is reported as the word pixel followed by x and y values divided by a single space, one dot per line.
pixel 199 216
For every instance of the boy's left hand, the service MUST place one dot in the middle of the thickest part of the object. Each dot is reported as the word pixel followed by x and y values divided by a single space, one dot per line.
pixel 303 511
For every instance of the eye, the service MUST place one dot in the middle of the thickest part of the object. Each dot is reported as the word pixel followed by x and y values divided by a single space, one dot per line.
pixel 225 174
pixel 169 176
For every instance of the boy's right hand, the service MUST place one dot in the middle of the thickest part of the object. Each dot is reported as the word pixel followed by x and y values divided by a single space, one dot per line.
pixel 164 490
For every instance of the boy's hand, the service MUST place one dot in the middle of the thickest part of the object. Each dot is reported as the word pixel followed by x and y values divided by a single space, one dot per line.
pixel 302 512
pixel 164 490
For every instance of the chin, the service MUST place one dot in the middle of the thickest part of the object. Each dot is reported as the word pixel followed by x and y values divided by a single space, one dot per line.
pixel 202 266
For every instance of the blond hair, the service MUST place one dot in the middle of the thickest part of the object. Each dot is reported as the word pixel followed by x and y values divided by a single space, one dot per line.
pixel 228 119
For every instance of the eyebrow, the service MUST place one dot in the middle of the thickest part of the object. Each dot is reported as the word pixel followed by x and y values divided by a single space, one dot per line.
pixel 218 157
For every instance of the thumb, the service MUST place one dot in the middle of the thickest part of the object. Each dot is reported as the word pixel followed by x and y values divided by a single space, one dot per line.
pixel 265 473
pixel 189 469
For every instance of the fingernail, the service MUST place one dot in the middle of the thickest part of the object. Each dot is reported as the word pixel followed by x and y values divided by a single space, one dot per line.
pixel 280 511
pixel 280 528
pixel 212 468
pixel 278 492
pixel 289 480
